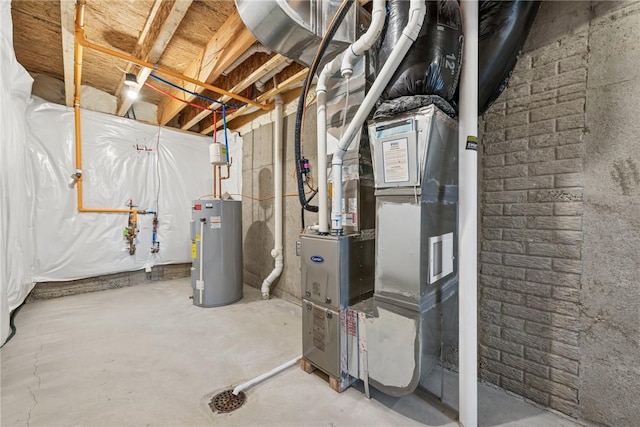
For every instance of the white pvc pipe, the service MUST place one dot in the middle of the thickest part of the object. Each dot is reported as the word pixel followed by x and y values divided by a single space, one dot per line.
pixel 364 43
pixel 276 253
pixel 264 79
pixel 253 49
pixel 468 219
pixel 346 61
pixel 417 11
pixel 323 201
pixel 265 376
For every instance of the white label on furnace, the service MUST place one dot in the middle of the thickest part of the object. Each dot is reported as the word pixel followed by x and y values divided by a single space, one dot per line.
pixel 216 221
pixel 395 157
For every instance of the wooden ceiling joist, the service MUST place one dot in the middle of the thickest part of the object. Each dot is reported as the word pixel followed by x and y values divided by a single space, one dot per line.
pixel 241 120
pixel 256 75
pixel 161 25
pixel 231 41
pixel 67 22
pixel 280 88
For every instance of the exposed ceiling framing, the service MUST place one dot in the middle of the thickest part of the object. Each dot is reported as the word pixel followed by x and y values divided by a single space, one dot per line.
pixel 221 51
pixel 161 25
pixel 200 39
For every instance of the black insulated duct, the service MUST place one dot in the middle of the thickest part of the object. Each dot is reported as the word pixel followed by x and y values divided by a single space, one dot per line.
pixel 432 65
pixel 504 27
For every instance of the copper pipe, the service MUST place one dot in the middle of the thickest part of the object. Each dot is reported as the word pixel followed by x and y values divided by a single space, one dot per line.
pixel 214 181
pixel 219 182
pixel 82 41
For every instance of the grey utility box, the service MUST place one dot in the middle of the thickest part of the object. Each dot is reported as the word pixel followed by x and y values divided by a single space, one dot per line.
pixel 216 250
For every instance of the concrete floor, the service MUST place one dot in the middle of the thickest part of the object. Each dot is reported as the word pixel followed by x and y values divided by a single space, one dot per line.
pixel 145 355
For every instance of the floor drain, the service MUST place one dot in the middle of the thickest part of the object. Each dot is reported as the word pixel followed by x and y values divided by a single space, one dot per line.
pixel 226 401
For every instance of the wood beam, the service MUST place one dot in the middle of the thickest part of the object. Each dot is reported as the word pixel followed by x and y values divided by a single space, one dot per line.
pixel 256 75
pixel 240 121
pixel 67 22
pixel 280 88
pixel 162 23
pixel 231 41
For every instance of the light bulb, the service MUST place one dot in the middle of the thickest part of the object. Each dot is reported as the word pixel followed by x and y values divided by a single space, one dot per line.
pixel 132 94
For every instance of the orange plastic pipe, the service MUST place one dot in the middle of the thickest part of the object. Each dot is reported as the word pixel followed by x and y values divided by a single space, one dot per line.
pixel 76 112
pixel 80 39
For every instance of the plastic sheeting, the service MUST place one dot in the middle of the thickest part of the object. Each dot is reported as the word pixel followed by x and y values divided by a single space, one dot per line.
pixel 160 169
pixel 16 201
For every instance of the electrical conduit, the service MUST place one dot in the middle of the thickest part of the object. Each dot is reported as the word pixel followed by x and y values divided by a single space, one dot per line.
pixel 417 10
pixel 276 253
pixel 468 218
pixel 343 62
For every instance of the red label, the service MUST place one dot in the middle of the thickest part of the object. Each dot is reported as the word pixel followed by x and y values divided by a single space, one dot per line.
pixel 197 207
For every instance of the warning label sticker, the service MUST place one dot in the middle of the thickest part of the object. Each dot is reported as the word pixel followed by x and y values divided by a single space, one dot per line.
pixel 194 250
pixel 395 157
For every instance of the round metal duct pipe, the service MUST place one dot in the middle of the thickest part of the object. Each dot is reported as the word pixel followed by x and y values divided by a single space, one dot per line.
pixel 295 28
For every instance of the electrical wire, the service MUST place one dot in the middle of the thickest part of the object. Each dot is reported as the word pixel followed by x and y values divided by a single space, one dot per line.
pixel 324 43
pixel 258 199
pixel 165 93
pixel 196 94
pixel 12 324
pixel 224 122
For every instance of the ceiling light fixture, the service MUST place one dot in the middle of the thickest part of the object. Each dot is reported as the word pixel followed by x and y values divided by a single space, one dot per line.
pixel 130 80
pixel 132 94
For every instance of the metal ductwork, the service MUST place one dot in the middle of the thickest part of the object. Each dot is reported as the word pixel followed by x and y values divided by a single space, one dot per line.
pixel 294 28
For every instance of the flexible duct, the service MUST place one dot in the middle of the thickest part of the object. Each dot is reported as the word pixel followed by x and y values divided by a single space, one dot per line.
pixel 504 27
pixel 343 62
pixel 417 10
pixel 432 65
pixel 276 253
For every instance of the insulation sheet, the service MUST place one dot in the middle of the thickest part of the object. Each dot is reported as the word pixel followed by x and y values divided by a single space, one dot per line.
pixel 16 197
pixel 159 169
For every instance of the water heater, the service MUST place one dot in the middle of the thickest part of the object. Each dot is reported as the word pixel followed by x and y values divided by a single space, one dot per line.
pixel 216 250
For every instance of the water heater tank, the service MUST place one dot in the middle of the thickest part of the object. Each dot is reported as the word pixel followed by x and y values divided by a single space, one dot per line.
pixel 294 28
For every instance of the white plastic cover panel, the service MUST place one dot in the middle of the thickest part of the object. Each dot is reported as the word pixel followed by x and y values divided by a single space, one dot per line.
pixel 16 197
pixel 123 159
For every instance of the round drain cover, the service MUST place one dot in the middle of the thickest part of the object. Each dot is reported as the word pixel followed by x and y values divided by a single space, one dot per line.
pixel 226 401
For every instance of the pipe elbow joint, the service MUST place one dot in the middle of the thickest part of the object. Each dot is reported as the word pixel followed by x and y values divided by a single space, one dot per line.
pixel 350 57
pixel 276 253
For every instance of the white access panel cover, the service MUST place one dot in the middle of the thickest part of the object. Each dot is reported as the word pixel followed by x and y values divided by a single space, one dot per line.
pixel 440 256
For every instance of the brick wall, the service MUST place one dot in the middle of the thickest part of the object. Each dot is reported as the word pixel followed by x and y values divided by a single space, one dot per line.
pixel 531 226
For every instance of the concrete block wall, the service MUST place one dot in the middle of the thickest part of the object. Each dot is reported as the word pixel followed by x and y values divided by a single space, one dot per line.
pixel 559 270
pixel 530 260
pixel 258 221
